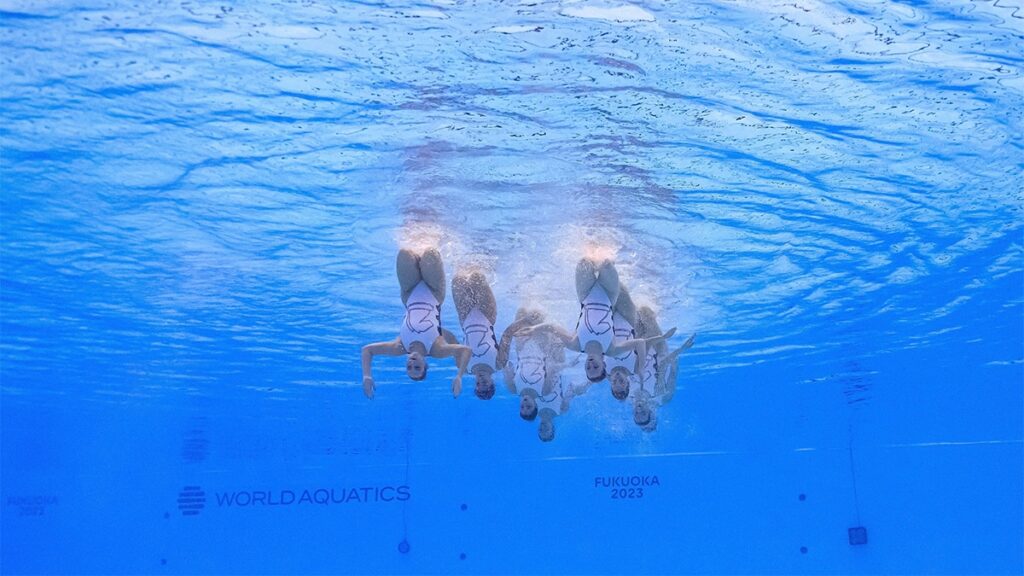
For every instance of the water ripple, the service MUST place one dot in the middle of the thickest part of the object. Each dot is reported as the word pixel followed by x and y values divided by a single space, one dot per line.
pixel 195 194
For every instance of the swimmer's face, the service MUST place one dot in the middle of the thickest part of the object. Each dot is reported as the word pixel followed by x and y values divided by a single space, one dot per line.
pixel 620 384
pixel 416 366
pixel 527 407
pixel 484 385
pixel 594 367
pixel 546 431
pixel 642 414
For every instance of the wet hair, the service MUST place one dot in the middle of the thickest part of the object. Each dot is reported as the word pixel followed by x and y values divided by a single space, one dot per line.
pixel 529 416
pixel 636 412
pixel 620 394
pixel 545 437
pixel 485 392
pixel 423 375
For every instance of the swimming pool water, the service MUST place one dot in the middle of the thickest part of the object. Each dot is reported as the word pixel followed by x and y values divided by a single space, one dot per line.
pixel 202 202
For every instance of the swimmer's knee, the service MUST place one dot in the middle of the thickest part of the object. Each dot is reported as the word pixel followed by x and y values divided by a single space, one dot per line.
pixel 405 255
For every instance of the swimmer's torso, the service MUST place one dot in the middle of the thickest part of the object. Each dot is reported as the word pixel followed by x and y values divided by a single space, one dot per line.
pixel 422 318
pixel 623 331
pixel 553 400
pixel 595 323
pixel 531 368
pixel 480 339
pixel 650 374
pixel 648 380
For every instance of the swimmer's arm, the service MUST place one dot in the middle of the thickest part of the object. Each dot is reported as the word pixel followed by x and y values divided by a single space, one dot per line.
pixel 442 349
pixel 655 340
pixel 638 345
pixel 391 348
pixel 668 384
pixel 510 375
pixel 506 342
pixel 675 353
pixel 570 341
pixel 515 327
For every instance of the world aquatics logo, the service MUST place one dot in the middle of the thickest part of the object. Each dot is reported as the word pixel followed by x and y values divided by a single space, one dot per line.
pixel 191 500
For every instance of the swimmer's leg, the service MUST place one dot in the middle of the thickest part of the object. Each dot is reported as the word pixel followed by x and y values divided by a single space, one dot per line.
pixel 647 323
pixel 484 296
pixel 648 328
pixel 408 271
pixel 624 307
pixel 608 278
pixel 586 277
pixel 462 294
pixel 432 270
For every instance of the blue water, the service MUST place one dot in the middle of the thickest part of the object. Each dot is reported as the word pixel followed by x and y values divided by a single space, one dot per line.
pixel 201 206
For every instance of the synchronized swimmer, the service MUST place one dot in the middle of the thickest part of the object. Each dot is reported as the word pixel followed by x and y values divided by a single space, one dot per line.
pixel 622 343
pixel 421 278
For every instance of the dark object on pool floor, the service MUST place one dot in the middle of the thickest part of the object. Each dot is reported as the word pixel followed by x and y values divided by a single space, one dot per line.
pixel 803 497
pixel 403 546
pixel 462 556
pixel 858 536
pixel 803 549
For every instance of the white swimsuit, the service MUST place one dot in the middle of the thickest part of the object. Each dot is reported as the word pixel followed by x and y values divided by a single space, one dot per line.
pixel 648 381
pixel 650 375
pixel 595 323
pixel 422 318
pixel 530 367
pixel 480 339
pixel 623 331
pixel 553 400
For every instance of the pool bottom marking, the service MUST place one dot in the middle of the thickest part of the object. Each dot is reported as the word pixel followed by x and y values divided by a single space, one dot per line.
pixel 626 487
pixel 192 499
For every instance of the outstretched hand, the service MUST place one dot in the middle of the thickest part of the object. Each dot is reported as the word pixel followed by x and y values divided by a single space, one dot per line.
pixel 368 387
pixel 689 342
pixel 670 333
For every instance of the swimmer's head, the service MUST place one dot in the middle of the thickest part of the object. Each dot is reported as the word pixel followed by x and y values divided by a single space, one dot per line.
pixel 620 382
pixel 652 425
pixel 527 406
pixel 546 430
pixel 594 366
pixel 484 381
pixel 643 416
pixel 416 366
